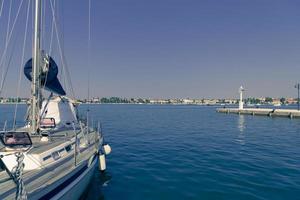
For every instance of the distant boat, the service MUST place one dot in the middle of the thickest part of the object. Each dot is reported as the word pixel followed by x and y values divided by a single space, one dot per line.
pixel 277 104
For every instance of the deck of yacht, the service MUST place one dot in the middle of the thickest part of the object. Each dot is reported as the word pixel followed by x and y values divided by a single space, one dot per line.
pixel 58 156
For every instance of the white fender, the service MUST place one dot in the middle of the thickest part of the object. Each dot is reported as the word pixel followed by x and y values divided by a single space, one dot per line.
pixel 102 162
pixel 44 139
pixel 107 149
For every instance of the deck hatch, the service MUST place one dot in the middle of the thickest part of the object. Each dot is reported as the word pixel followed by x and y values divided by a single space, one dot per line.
pixel 15 140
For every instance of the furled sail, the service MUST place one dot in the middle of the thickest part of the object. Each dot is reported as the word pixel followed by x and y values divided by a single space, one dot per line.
pixel 48 76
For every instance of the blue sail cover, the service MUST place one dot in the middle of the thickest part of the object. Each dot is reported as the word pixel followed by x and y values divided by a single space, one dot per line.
pixel 52 83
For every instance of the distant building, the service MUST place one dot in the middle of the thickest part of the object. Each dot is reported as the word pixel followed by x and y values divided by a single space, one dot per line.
pixel 159 101
pixel 291 101
pixel 187 101
pixel 96 100
pixel 230 101
pixel 276 102
pixel 198 101
pixel 210 101
pixel 174 101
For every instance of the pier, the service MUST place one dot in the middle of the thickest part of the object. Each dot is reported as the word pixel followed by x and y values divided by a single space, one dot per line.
pixel 291 113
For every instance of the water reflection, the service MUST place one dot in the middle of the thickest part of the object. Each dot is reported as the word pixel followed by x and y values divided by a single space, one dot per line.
pixel 105 178
pixel 241 123
pixel 95 190
pixel 241 127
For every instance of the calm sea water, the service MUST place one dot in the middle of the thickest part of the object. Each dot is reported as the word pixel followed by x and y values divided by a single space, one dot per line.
pixel 192 152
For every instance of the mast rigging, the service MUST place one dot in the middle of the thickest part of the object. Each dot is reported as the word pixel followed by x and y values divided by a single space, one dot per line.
pixel 35 104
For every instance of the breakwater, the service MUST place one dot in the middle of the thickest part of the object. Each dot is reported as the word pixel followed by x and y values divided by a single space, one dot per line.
pixel 291 113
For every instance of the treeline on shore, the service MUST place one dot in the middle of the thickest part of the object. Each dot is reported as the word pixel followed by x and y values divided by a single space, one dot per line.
pixel 116 100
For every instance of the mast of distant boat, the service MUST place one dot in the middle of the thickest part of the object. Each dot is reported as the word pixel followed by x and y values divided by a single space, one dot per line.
pixel 35 86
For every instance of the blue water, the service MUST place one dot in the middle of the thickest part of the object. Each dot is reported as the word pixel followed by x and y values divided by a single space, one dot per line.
pixel 192 152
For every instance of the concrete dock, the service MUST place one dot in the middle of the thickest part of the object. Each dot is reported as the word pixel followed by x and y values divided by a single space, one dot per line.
pixel 262 111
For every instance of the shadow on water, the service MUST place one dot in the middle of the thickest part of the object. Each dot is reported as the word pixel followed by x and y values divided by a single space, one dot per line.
pixel 94 190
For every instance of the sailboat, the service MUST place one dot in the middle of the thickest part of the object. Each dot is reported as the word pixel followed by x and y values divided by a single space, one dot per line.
pixel 55 154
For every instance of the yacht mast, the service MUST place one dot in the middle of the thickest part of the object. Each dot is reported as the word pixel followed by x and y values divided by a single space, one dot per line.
pixel 35 87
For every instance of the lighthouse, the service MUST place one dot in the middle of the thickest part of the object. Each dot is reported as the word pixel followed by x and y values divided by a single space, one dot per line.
pixel 241 103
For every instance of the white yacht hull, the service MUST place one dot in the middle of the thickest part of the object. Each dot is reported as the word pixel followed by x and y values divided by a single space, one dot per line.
pixel 76 188
pixel 60 179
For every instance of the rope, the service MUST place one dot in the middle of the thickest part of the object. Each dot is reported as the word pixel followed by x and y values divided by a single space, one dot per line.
pixel 22 61
pixel 17 171
pixel 48 60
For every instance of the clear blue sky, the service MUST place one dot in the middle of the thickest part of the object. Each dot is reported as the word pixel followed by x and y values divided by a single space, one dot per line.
pixel 178 48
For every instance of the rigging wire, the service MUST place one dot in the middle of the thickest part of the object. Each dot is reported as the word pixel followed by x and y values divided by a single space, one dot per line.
pixel 52 30
pixel 1 8
pixel 32 21
pixel 89 48
pixel 9 36
pixel 8 22
pixel 6 38
pixel 22 61
pixel 7 67
pixel 62 20
pixel 88 62
pixel 43 22
pixel 61 52
pixel 51 41
pixel 43 25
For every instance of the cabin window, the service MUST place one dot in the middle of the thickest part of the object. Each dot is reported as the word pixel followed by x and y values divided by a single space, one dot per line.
pixel 61 150
pixel 2 166
pixel 68 148
pixel 68 123
pixel 46 158
pixel 55 155
pixel 47 123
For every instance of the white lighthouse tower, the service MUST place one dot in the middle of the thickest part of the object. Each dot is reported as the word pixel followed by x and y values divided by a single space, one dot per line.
pixel 241 103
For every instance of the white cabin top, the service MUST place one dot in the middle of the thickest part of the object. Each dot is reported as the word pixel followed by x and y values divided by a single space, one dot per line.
pixel 61 109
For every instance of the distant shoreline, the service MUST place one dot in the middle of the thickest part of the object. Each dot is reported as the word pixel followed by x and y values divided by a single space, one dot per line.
pixel 138 104
pixel 13 103
pixel 230 102
pixel 178 104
